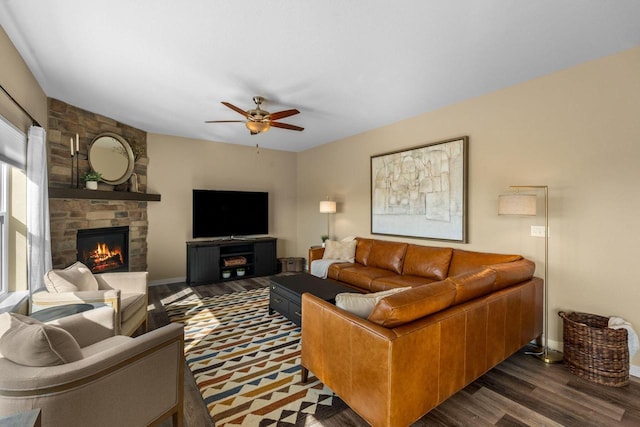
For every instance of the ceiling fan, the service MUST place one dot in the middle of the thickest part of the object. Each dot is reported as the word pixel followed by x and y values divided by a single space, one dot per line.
pixel 259 120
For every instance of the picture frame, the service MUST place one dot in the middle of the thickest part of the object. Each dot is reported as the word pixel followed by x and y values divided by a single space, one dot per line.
pixel 421 191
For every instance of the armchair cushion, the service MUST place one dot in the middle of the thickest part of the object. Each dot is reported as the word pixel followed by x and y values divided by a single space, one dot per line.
pixel 30 342
pixel 76 277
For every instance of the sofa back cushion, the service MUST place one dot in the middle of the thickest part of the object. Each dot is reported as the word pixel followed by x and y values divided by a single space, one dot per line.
pixel 467 261
pixel 427 261
pixel 473 285
pixel 415 303
pixel 387 255
pixel 363 249
pixel 76 277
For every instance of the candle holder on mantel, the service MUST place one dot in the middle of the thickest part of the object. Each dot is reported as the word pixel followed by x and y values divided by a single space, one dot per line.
pixel 72 156
pixel 77 168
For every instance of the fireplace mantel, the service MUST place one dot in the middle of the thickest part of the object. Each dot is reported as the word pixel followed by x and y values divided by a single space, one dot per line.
pixel 81 193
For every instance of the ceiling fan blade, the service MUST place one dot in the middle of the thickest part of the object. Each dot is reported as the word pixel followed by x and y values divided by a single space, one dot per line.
pixel 224 121
pixel 286 126
pixel 234 108
pixel 282 114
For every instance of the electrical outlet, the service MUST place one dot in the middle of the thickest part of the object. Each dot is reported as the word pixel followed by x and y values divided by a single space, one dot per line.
pixel 537 231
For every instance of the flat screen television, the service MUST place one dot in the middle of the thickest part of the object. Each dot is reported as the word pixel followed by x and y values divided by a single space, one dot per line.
pixel 218 213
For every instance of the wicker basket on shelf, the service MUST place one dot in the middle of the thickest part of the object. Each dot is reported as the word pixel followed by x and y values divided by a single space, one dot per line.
pixel 594 351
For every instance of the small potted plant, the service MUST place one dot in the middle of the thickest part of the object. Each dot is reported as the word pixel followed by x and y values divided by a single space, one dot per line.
pixel 240 272
pixel 91 179
pixel 226 274
pixel 324 238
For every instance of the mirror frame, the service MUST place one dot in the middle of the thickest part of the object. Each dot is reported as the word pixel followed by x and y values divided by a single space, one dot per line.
pixel 125 146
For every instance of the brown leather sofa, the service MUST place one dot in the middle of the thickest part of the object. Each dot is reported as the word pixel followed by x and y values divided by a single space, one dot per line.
pixel 466 312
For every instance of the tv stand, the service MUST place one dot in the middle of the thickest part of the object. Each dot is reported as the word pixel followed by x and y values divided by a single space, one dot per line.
pixel 206 259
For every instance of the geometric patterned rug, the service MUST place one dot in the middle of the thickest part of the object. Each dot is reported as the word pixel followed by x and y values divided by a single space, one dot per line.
pixel 246 362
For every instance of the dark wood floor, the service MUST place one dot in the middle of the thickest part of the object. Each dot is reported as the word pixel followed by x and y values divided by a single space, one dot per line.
pixel 521 391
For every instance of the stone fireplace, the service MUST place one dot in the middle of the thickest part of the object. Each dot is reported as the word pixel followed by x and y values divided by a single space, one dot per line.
pixel 68 216
pixel 104 249
pixel 73 209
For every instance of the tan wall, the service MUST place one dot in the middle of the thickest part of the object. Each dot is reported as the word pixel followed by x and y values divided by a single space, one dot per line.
pixel 23 87
pixel 178 165
pixel 576 131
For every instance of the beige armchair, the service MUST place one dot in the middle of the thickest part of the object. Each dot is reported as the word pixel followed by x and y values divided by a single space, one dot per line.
pixel 117 380
pixel 126 292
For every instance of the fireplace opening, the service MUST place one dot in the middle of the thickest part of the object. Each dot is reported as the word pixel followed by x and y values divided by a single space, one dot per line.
pixel 104 249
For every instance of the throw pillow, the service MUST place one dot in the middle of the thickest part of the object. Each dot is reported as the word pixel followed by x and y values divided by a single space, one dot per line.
pixel 362 304
pixel 30 342
pixel 76 277
pixel 344 251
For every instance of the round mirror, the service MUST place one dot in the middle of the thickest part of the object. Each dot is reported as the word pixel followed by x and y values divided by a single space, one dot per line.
pixel 111 155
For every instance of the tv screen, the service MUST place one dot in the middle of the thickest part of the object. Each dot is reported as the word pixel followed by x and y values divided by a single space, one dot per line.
pixel 219 213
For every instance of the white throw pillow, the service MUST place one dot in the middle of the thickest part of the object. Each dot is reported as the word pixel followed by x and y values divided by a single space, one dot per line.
pixel 343 251
pixel 76 277
pixel 362 304
pixel 30 342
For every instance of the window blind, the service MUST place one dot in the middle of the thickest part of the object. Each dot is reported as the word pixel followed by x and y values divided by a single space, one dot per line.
pixel 13 145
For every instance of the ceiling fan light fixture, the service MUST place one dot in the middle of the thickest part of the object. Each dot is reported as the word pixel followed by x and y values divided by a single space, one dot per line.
pixel 258 127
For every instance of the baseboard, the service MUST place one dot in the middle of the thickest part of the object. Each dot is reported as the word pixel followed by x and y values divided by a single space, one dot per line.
pixel 168 281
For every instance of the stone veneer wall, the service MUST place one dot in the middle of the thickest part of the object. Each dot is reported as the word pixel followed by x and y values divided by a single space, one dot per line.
pixel 65 121
pixel 70 215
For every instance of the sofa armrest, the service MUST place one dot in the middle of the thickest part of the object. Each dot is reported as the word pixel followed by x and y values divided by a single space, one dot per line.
pixel 363 362
pixel 146 373
pixel 45 299
pixel 131 282
pixel 510 273
pixel 89 327
pixel 315 252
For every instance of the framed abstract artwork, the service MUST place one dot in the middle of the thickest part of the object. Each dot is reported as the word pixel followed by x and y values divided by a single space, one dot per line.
pixel 421 191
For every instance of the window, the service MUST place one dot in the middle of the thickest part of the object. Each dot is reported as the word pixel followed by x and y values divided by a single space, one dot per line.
pixel 4 228
pixel 13 233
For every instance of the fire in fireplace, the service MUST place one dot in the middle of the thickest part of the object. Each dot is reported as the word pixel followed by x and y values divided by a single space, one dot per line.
pixel 104 249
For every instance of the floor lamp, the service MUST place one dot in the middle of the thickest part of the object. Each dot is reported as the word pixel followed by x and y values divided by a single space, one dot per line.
pixel 525 204
pixel 328 207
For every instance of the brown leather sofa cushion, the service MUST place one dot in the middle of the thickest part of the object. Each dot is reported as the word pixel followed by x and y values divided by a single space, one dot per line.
pixel 334 269
pixel 362 276
pixel 427 261
pixel 391 282
pixel 387 255
pixel 510 273
pixel 363 249
pixel 404 307
pixel 472 285
pixel 467 261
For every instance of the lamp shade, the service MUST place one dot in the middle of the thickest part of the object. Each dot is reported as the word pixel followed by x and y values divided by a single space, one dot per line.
pixel 517 204
pixel 327 206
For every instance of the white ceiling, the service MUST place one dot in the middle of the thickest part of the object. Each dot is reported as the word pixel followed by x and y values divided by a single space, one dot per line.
pixel 349 66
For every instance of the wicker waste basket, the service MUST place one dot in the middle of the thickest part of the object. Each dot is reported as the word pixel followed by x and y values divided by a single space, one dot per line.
pixel 295 265
pixel 594 351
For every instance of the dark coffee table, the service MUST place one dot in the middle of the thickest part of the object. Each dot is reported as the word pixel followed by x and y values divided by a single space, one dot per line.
pixel 285 294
